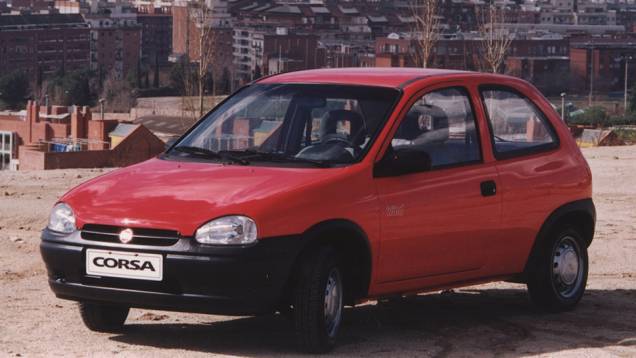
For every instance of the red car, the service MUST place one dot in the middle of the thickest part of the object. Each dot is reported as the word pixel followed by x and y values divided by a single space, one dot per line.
pixel 307 191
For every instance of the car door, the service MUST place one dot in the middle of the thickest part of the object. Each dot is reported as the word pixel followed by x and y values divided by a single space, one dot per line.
pixel 534 174
pixel 442 220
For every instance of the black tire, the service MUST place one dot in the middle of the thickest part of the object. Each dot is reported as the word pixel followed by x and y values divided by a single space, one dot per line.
pixel 313 331
pixel 558 271
pixel 102 317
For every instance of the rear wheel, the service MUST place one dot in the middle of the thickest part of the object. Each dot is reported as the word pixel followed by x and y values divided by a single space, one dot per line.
pixel 558 275
pixel 101 317
pixel 318 302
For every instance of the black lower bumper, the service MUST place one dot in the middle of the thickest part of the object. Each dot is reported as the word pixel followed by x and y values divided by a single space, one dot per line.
pixel 196 278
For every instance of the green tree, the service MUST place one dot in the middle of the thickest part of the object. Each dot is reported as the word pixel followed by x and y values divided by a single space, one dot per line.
pixel 181 78
pixel 14 90
pixel 593 116
pixel 72 88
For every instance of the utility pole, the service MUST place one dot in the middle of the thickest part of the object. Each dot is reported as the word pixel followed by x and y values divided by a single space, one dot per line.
pixel 280 60
pixel 101 107
pixel 563 106
pixel 589 100
pixel 202 66
pixel 627 59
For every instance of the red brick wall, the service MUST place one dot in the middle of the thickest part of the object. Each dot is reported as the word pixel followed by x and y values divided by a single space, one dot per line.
pixel 118 45
pixel 138 146
pixel 179 29
pixel 98 131
pixel 297 47
pixel 59 130
pixel 85 159
pixel 31 159
pixel 579 62
pixel 131 49
pixel 41 132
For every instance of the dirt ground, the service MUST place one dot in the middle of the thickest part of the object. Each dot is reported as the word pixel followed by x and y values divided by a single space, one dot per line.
pixel 488 320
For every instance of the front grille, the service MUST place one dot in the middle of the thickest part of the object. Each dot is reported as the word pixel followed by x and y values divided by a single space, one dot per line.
pixel 141 236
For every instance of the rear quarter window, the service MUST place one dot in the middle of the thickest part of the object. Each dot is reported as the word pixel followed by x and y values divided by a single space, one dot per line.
pixel 516 124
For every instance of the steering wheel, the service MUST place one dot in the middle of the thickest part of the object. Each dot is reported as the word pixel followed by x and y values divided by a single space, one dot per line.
pixel 336 138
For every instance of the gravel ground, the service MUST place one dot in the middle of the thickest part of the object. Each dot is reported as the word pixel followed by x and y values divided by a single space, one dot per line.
pixel 487 320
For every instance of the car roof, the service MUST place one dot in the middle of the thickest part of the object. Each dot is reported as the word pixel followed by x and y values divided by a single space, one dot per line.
pixel 394 77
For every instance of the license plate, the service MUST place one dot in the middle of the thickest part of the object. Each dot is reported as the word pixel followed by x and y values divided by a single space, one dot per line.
pixel 131 265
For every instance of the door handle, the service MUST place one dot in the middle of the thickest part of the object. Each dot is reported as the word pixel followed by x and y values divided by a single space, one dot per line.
pixel 488 188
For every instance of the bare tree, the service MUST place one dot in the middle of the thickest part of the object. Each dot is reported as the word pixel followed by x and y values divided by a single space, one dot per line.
pixel 495 39
pixel 425 28
pixel 200 13
pixel 118 94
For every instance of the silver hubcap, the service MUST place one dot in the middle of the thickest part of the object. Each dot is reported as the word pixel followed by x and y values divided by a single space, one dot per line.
pixel 333 302
pixel 566 266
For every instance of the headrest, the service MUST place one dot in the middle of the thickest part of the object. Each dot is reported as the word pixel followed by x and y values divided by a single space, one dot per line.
pixel 410 129
pixel 434 126
pixel 356 123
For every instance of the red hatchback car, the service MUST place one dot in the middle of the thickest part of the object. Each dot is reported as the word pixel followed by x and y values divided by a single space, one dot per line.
pixel 307 191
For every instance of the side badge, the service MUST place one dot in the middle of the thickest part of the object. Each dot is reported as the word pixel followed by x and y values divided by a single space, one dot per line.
pixel 395 210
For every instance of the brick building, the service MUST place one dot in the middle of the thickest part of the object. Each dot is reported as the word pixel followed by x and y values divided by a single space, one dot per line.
pixel 43 44
pixel 289 52
pixel 31 5
pixel 156 34
pixel 259 52
pixel 51 137
pixel 543 61
pixel 459 54
pixel 601 61
pixel 115 44
pixel 186 35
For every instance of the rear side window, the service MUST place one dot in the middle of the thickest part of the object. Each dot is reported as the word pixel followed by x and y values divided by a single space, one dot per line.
pixel 517 125
pixel 442 124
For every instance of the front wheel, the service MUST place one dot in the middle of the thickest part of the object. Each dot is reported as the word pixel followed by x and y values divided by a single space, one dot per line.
pixel 558 274
pixel 102 317
pixel 318 302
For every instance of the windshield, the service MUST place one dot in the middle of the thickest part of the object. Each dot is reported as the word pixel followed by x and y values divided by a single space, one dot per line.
pixel 308 123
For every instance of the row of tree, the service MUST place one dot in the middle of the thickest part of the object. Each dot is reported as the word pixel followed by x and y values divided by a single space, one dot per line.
pixel 495 39
pixel 81 87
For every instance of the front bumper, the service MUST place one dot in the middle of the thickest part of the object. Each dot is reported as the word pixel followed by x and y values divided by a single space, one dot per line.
pixel 196 278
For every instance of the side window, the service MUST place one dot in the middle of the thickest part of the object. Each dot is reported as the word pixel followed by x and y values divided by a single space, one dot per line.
pixel 517 125
pixel 442 124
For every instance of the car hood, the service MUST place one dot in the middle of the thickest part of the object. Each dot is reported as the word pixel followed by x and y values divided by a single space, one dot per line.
pixel 181 196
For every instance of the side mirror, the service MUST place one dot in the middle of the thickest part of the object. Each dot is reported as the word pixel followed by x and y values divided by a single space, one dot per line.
pixel 403 161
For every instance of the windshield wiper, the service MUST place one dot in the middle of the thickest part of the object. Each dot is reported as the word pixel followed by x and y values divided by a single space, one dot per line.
pixel 278 157
pixel 202 152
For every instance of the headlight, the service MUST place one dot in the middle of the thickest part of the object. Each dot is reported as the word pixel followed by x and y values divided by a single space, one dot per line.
pixel 228 230
pixel 62 219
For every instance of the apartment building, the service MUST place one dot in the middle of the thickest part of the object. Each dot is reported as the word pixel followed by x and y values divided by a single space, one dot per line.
pixel 43 44
pixel 600 62
pixel 115 43
pixel 156 34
